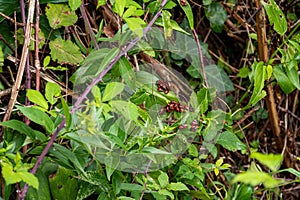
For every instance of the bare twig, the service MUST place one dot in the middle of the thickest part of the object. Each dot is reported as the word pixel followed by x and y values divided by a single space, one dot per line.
pixel 11 20
pixel 16 87
pixel 263 56
pixel 36 46
pixel 88 25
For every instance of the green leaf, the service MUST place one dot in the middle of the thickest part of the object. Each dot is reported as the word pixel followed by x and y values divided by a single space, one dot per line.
pixel 38 117
pixel 29 178
pixel 36 97
pixel 8 7
pixel 109 57
pixel 163 180
pixel 216 15
pixel 12 177
pixel 256 178
pixel 101 3
pixel 283 81
pixel 136 25
pixel 193 151
pixel 177 186
pixel 9 175
pixel 46 61
pixel 244 72
pixel 276 17
pixel 111 162
pixel 127 109
pixel 167 24
pixel 188 12
pixel 24 128
pixel 259 78
pixel 67 113
pixel 111 90
pixel 131 187
pixel 52 91
pixel 63 184
pixel 65 51
pixel 231 142
pixel 130 12
pixel 74 4
pixel 60 15
pixel 292 74
pixel 119 7
pixel 270 160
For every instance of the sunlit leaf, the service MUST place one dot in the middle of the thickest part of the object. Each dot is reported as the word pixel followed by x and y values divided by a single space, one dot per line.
pixel 65 51
pixel 60 15
pixel 36 97
pixel 270 160
pixel 276 17
pixel 256 178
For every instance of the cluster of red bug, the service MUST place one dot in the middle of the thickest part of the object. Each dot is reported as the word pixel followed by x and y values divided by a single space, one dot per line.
pixel 163 86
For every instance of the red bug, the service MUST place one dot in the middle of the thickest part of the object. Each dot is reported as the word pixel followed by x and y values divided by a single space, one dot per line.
pixel 183 2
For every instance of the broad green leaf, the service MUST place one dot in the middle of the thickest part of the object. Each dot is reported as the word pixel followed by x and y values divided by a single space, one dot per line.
pixel 219 162
pixel 9 175
pixel 188 12
pixel 130 12
pixel 163 180
pixel 179 186
pixel 38 117
pixel 24 128
pixel 231 142
pixel 272 161
pixel 52 91
pixel 65 51
pixel 293 75
pixel 259 78
pixel 36 97
pixel 283 81
pixel 276 17
pixel 60 15
pixel 74 4
pixel 167 24
pixel 193 151
pixel 127 109
pixel 29 178
pixel 119 7
pixel 165 193
pixel 12 177
pixel 111 90
pixel 136 25
pixel 63 184
pixel 216 15
pixel 256 178
pixel 131 187
pixel 111 163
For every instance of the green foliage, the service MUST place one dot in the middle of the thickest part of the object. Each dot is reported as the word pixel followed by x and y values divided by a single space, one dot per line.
pixel 65 52
pixel 17 172
pixel 216 15
pixel 276 17
pixel 122 142
pixel 63 184
pixel 60 15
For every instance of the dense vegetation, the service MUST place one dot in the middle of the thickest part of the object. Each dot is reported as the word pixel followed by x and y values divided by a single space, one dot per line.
pixel 149 99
